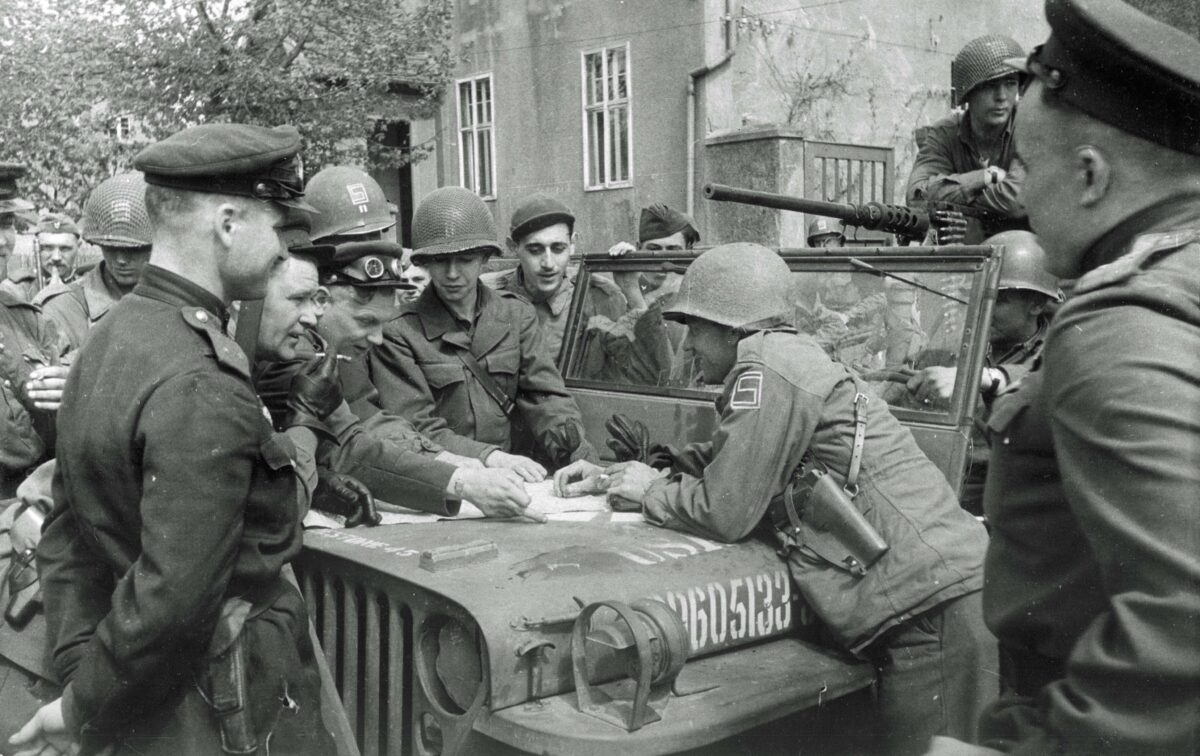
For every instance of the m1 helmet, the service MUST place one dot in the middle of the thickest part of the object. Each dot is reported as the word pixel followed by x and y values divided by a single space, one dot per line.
pixel 114 214
pixel 450 220
pixel 981 60
pixel 1024 264
pixel 822 226
pixel 734 285
pixel 348 203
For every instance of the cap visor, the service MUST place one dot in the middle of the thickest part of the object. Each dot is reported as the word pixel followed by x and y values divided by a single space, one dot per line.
pixel 1017 64
pixel 296 203
pixel 351 251
pixel 322 254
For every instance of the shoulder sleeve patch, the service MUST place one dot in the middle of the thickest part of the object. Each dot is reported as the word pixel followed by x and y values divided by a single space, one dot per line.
pixel 747 392
pixel 225 350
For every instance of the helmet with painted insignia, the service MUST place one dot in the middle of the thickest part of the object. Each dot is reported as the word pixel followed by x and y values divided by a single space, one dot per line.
pixel 114 214
pixel 1024 265
pixel 734 285
pixel 348 202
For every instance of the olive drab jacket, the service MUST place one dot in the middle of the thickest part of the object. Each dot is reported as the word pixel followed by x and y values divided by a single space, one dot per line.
pixel 420 376
pixel 27 341
pixel 174 501
pixel 1093 495
pixel 784 397
pixel 76 307
pixel 949 168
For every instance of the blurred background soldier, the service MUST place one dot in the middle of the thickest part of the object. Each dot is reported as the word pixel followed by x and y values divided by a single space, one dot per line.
pixel 1020 319
pixel 466 362
pixel 162 434
pixel 56 249
pixel 825 232
pixel 417 278
pixel 114 219
pixel 1094 481
pixel 970 159
pixel 11 206
pixel 910 604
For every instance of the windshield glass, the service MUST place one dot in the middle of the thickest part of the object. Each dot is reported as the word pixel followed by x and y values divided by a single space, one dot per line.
pixel 883 318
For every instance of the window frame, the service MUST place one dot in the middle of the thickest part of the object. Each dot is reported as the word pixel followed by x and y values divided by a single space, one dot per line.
pixel 589 184
pixel 474 129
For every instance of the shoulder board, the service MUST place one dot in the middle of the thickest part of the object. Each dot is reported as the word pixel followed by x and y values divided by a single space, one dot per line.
pixel 50 292
pixel 1146 249
pixel 225 350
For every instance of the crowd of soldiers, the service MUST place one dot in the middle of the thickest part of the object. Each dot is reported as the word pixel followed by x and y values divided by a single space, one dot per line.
pixel 252 354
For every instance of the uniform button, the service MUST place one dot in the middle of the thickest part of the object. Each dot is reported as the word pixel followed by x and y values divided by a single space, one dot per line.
pixel 7 383
pixel 202 316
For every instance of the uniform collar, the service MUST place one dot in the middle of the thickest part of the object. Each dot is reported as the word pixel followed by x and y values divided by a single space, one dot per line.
pixel 1177 212
pixel 1017 352
pixel 164 286
pixel 556 303
pixel 967 137
pixel 438 322
pixel 97 292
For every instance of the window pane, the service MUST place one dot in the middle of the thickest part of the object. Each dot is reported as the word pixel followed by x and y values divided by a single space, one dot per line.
pixel 467 147
pixel 464 103
pixel 483 139
pixel 484 105
pixel 595 79
pixel 616 73
pixel 618 118
pixel 595 135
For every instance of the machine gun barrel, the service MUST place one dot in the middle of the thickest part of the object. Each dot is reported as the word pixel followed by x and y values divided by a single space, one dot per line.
pixel 892 219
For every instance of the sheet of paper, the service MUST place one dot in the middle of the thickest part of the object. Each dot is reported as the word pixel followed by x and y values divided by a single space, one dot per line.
pixel 542 499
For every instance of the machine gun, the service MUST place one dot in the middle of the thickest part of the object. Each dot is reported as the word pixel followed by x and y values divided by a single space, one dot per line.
pixel 911 224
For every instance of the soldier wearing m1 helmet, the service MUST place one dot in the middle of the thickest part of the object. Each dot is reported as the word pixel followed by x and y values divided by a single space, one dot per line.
pixel 466 362
pixel 787 414
pixel 970 158
pixel 824 232
pixel 114 219
pixel 1020 319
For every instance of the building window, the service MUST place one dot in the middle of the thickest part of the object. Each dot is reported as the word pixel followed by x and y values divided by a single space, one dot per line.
pixel 124 129
pixel 476 145
pixel 607 128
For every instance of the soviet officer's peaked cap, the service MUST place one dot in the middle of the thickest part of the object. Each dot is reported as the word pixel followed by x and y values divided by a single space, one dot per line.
pixel 1124 68
pixel 229 158
pixel 536 212
pixel 296 233
pixel 57 223
pixel 374 263
pixel 10 199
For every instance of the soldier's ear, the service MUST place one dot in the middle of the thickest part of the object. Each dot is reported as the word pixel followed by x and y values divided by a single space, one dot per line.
pixel 1093 174
pixel 225 218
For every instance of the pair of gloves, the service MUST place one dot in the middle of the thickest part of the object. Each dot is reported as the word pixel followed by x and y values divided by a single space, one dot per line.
pixel 630 441
pixel 306 393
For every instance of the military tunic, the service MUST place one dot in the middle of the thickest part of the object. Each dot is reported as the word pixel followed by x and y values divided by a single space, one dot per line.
pixel 26 434
pixel 76 307
pixel 950 165
pixel 915 612
pixel 420 376
pixel 1092 495
pixel 603 298
pixel 173 496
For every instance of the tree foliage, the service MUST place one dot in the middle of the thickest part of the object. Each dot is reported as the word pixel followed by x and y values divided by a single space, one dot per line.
pixel 334 68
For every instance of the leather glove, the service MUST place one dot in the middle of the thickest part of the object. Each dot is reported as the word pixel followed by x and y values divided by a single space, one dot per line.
pixel 661 457
pixel 346 495
pixel 273 383
pixel 559 443
pixel 314 394
pixel 630 440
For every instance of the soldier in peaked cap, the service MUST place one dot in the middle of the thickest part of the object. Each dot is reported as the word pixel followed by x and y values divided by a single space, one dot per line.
pixel 1094 479
pixel 466 362
pixel 396 464
pixel 114 219
pixel 57 247
pixel 176 503
pixel 970 158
